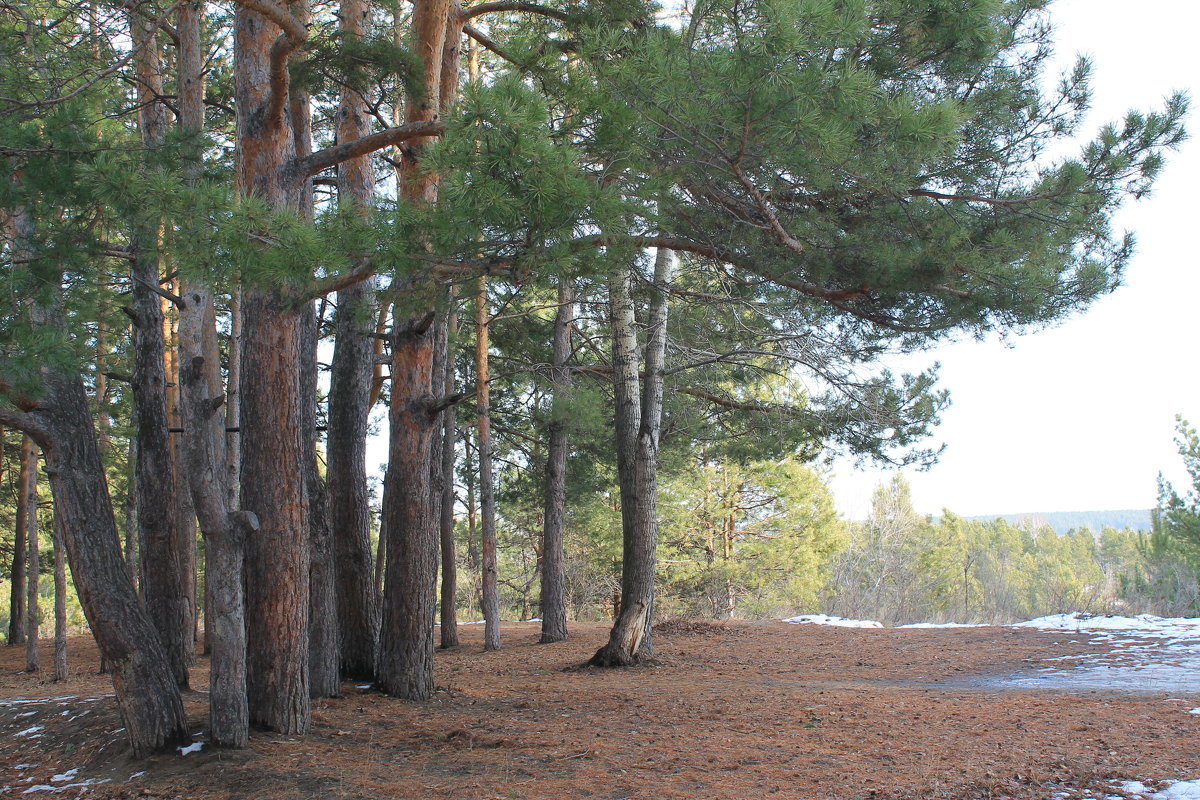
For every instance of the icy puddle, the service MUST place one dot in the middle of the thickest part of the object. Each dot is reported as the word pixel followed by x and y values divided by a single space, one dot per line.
pixel 1147 654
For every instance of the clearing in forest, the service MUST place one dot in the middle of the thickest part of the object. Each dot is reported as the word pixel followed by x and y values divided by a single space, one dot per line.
pixel 730 711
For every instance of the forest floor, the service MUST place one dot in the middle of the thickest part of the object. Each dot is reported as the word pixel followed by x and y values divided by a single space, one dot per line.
pixel 736 711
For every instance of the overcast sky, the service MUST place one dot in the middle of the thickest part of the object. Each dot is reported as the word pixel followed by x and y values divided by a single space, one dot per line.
pixel 1081 417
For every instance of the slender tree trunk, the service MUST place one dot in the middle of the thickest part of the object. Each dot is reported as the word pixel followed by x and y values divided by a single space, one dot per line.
pixel 16 605
pixel 185 526
pixel 350 403
pixel 164 585
pixel 449 598
pixel 405 667
pixel 32 612
pixel 131 518
pixel 324 651
pixel 224 530
pixel 487 485
pixel 638 426
pixel 233 405
pixel 553 599
pixel 60 602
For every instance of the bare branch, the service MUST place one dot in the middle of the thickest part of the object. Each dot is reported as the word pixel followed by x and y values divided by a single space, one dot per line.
pixel 514 5
pixel 332 156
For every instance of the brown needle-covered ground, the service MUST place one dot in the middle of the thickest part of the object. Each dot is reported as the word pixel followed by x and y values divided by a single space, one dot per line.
pixel 736 711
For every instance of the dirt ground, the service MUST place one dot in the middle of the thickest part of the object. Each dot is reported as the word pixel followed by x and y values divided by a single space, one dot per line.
pixel 734 711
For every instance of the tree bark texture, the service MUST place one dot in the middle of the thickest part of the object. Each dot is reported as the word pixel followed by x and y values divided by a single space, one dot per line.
pixel 146 692
pixel 324 646
pixel 272 462
pixel 273 488
pixel 16 604
pixel 405 667
pixel 60 602
pixel 33 613
pixel 449 597
pixel 350 403
pixel 224 530
pixel 553 598
pixel 638 425
pixel 163 563
pixel 487 485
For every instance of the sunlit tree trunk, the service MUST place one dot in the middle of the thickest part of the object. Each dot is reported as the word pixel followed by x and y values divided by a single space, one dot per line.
pixel 449 598
pixel 487 486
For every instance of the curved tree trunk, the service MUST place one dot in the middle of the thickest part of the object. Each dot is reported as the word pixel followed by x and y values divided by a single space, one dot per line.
pixel 553 599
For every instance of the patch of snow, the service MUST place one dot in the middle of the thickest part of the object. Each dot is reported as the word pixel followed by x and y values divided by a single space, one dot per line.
pixel 65 776
pixel 840 622
pixel 28 731
pixel 26 714
pixel 194 747
pixel 41 787
pixel 137 775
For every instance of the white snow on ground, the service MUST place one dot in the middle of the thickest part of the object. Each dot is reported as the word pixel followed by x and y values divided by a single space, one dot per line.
pixel 1176 790
pixel 1148 653
pixel 840 622
pixel 194 747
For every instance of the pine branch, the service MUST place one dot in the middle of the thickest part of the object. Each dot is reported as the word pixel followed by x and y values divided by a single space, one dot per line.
pixel 514 5
pixel 332 156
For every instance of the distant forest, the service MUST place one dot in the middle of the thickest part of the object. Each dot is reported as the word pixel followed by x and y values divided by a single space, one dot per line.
pixel 1135 519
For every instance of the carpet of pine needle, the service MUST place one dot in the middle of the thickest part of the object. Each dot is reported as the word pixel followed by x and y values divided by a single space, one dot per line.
pixel 736 711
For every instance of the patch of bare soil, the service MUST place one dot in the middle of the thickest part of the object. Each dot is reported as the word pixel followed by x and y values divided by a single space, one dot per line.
pixel 727 711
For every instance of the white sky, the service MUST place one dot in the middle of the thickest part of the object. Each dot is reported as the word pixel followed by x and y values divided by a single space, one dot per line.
pixel 1081 417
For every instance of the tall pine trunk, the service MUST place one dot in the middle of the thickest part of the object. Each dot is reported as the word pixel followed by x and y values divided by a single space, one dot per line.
pixel 33 567
pixel 163 580
pixel 272 460
pixel 405 667
pixel 60 602
pixel 16 604
pixel 324 651
pixel 449 596
pixel 638 422
pixel 487 485
pixel 350 403
pixel 223 529
pixel 553 599
pixel 405 664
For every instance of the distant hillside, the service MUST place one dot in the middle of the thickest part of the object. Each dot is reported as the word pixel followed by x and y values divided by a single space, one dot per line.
pixel 1063 521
